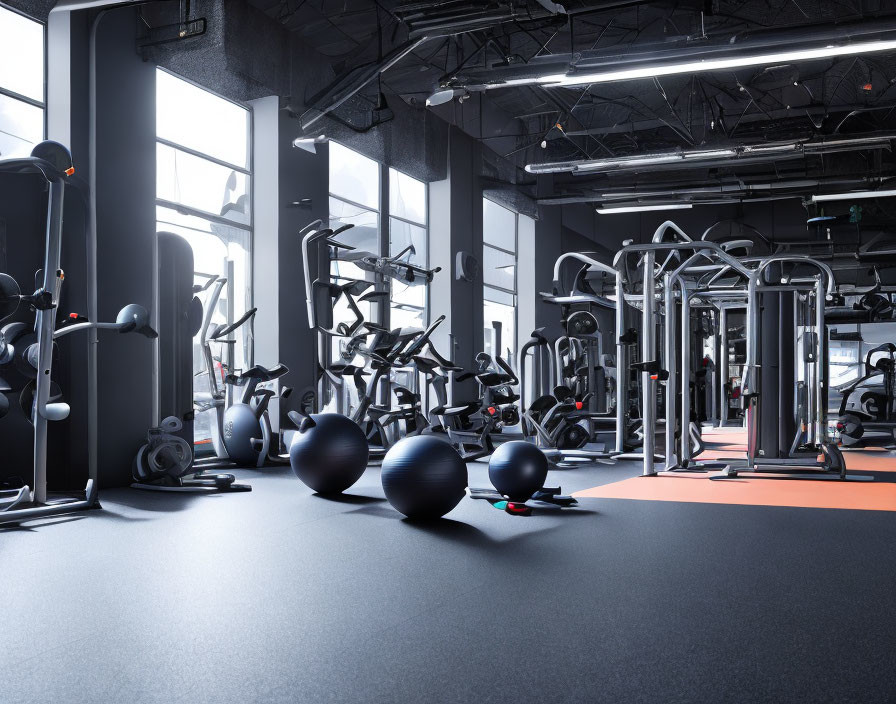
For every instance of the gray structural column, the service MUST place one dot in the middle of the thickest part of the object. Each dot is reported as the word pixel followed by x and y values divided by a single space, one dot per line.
pixel 67 120
pixel 265 245
pixel 125 239
pixel 455 216
pixel 538 247
pixel 527 280
pixel 548 248
pixel 302 196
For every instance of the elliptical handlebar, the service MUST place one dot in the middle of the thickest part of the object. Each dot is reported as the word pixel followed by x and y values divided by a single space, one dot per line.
pixel 227 329
pixel 507 370
pixel 419 342
pixel 310 226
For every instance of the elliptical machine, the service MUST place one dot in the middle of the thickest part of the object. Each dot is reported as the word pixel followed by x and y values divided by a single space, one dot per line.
pixel 242 432
pixel 471 426
pixel 869 403
pixel 386 350
pixel 569 381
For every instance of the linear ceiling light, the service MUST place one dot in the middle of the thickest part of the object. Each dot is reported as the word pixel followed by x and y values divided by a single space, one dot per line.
pixel 643 208
pixel 657 60
pixel 852 196
pixel 781 57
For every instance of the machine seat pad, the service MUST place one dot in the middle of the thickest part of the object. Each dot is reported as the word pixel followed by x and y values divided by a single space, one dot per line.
pixel 543 403
pixel 495 379
pixel 504 399
pixel 457 410
pixel 263 373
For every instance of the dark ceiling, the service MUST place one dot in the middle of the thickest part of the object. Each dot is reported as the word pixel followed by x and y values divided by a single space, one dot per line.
pixel 821 99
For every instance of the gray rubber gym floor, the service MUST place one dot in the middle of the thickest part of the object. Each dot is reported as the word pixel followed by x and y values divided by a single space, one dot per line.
pixel 282 596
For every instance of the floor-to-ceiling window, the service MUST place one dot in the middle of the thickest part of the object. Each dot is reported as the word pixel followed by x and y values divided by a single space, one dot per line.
pixel 203 194
pixel 499 254
pixel 388 211
pixel 408 228
pixel 355 198
pixel 354 183
pixel 22 99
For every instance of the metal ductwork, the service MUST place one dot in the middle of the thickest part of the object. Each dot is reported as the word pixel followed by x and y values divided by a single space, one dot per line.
pixel 347 85
pixel 425 23
pixel 454 17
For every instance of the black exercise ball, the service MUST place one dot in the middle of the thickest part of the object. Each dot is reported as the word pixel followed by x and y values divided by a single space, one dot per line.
pixel 423 477
pixel 329 454
pixel 241 428
pixel 517 470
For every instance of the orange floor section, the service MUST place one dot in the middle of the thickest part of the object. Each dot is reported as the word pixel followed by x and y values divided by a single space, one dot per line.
pixel 733 437
pixel 698 488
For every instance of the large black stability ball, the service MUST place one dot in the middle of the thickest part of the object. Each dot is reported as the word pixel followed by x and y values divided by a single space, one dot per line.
pixel 517 470
pixel 329 453
pixel 423 477
pixel 241 427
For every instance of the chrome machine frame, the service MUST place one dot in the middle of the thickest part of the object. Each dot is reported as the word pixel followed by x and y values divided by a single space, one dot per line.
pixel 709 275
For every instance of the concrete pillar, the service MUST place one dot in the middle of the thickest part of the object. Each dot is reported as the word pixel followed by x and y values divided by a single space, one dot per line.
pixel 302 196
pixel 455 216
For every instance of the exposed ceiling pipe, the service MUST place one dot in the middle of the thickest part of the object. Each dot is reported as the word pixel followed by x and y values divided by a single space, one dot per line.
pixel 813 113
pixel 722 193
pixel 685 57
pixel 423 18
pixel 691 158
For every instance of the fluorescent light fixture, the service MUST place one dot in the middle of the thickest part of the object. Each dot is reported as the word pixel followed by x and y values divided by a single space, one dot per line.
pixel 782 57
pixel 852 196
pixel 746 152
pixel 825 48
pixel 653 159
pixel 644 208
